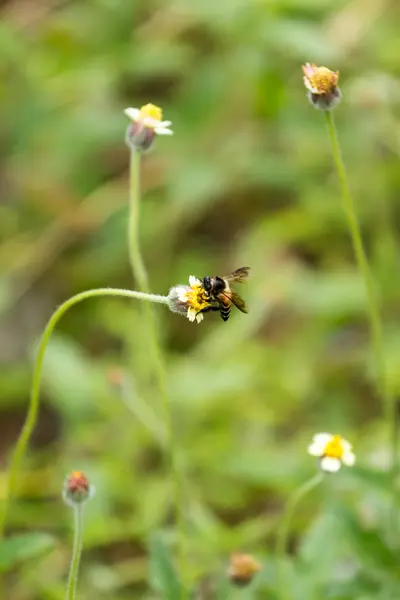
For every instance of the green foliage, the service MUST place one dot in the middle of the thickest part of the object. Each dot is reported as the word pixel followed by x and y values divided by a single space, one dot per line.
pixel 163 577
pixel 23 547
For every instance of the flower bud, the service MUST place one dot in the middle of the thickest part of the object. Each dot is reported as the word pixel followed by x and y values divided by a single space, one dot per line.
pixel 77 489
pixel 242 569
pixel 321 84
pixel 139 137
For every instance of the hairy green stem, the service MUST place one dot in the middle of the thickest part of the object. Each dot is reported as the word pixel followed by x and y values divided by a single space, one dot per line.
pixel 135 255
pixel 140 273
pixel 32 413
pixel 76 553
pixel 283 531
pixel 389 401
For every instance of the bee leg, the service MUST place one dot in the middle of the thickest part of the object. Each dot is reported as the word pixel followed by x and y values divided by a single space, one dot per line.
pixel 207 309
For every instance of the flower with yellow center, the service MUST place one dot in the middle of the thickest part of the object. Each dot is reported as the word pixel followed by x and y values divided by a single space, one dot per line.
pixel 149 117
pixel 321 84
pixel 333 451
pixel 189 300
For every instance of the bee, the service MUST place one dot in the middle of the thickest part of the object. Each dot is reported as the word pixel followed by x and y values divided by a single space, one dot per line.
pixel 220 294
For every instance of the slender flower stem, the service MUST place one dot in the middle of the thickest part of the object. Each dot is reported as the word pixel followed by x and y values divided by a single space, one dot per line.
pixel 33 408
pixel 283 531
pixel 76 553
pixel 135 255
pixel 389 403
pixel 140 273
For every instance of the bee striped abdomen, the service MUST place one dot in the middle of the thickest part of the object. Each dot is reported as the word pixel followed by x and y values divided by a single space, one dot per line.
pixel 225 312
pixel 225 307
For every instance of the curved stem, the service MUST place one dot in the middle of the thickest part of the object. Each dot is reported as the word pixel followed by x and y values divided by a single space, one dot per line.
pixel 140 273
pixel 389 404
pixel 283 531
pixel 76 553
pixel 33 408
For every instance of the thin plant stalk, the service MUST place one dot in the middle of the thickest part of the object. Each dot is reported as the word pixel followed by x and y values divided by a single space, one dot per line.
pixel 140 274
pixel 389 403
pixel 284 528
pixel 76 553
pixel 33 408
pixel 135 255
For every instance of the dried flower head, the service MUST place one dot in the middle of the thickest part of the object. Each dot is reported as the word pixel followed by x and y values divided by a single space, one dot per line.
pixel 321 84
pixel 333 451
pixel 77 488
pixel 189 300
pixel 146 124
pixel 242 568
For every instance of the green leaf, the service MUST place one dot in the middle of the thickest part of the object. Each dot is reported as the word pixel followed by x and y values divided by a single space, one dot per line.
pixel 23 547
pixel 163 576
pixel 368 546
pixel 372 478
pixel 315 565
pixel 325 527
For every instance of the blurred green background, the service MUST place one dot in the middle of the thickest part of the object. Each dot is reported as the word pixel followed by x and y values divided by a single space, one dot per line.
pixel 247 179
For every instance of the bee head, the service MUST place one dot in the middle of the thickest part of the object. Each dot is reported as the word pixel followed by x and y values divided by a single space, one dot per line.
pixel 207 284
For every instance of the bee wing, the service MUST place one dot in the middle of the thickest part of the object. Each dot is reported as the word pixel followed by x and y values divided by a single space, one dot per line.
pixel 236 301
pixel 240 275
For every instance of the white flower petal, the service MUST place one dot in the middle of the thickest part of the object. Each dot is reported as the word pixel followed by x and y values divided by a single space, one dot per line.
pixel 323 437
pixel 150 122
pixel 316 449
pixel 309 86
pixel 199 317
pixel 348 458
pixel 320 440
pixel 164 123
pixel 330 464
pixel 347 447
pixel 193 281
pixel 132 113
pixel 181 293
pixel 163 131
pixel 191 314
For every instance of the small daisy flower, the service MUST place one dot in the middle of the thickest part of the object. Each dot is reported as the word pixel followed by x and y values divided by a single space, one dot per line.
pixel 242 569
pixel 77 488
pixel 333 451
pixel 146 124
pixel 321 84
pixel 189 300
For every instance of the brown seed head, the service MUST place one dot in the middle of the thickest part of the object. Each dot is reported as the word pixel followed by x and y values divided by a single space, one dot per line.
pixel 242 568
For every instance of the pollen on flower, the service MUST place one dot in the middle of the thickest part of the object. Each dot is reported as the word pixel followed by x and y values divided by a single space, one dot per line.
pixel 152 111
pixel 334 447
pixel 321 84
pixel 189 300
